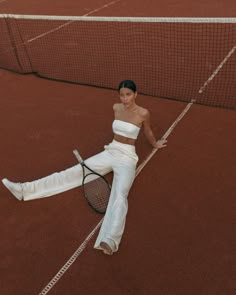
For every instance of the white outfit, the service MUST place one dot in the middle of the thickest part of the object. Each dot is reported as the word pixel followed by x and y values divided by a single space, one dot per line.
pixel 117 157
pixel 125 129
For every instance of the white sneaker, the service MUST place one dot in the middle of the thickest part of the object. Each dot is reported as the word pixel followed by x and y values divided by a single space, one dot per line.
pixel 15 188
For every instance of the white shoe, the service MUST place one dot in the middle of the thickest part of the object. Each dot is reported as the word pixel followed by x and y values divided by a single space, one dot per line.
pixel 15 188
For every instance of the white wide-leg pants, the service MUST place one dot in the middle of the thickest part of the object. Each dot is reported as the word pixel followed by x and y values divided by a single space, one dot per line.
pixel 117 157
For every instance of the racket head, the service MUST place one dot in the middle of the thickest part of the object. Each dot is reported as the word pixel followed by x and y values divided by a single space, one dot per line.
pixel 96 190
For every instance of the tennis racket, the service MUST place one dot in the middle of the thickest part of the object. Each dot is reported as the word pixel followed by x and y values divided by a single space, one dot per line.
pixel 96 188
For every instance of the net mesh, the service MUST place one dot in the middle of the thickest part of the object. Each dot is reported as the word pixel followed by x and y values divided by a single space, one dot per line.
pixel 181 59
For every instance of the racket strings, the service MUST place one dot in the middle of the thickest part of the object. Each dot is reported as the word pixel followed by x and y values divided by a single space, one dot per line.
pixel 97 193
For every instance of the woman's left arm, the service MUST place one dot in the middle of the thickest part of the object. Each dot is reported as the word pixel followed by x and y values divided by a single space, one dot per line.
pixel 149 133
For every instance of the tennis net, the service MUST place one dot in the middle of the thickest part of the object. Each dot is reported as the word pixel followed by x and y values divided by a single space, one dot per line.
pixel 176 58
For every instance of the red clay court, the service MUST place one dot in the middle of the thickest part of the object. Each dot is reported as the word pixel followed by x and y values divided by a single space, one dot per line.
pixel 179 232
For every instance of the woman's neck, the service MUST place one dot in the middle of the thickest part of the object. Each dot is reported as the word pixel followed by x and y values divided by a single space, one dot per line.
pixel 131 108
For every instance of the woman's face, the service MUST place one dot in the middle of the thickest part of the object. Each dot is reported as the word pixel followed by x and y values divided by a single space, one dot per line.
pixel 127 96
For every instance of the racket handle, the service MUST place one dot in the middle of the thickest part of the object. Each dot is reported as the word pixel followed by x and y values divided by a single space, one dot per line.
pixel 77 155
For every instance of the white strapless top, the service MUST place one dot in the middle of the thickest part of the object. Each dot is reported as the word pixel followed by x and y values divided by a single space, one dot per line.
pixel 125 129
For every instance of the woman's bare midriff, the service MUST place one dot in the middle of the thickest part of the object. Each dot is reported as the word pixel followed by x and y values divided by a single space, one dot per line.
pixel 124 139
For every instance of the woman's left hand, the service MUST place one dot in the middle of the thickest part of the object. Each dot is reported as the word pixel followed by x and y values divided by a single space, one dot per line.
pixel 161 144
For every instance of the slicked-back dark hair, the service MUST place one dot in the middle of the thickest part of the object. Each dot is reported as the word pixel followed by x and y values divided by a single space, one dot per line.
pixel 128 84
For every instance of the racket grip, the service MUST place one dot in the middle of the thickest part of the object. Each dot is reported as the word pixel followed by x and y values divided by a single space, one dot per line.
pixel 77 155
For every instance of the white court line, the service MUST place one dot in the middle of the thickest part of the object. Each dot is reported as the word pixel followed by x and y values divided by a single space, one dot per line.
pixel 80 249
pixel 168 132
pixel 217 70
pixel 69 22
pixel 59 27
pixel 102 7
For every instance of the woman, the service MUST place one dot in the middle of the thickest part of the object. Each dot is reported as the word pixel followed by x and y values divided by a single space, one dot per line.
pixel 119 156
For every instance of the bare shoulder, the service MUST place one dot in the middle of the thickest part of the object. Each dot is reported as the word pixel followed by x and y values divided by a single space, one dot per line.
pixel 116 106
pixel 144 113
